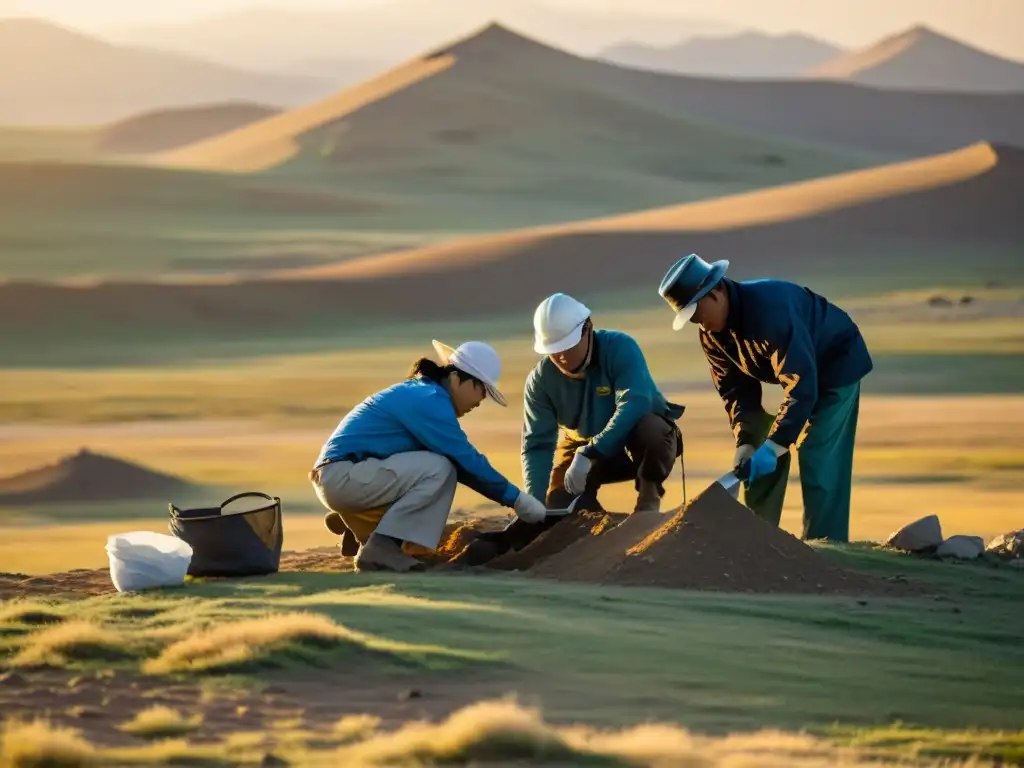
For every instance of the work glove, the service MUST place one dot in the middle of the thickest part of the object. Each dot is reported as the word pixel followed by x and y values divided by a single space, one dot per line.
pixel 742 452
pixel 576 476
pixel 764 460
pixel 529 509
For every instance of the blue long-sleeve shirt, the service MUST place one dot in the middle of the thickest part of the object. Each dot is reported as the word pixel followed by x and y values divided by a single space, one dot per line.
pixel 602 407
pixel 415 415
pixel 778 332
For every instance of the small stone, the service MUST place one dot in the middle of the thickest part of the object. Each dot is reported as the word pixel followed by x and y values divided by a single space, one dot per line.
pixel 411 693
pixel 270 759
pixel 862 602
pixel 920 536
pixel 961 547
pixel 274 689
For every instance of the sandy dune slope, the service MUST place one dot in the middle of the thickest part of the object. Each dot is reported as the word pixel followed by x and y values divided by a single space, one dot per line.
pixel 501 92
pixel 165 129
pixel 923 59
pixel 954 216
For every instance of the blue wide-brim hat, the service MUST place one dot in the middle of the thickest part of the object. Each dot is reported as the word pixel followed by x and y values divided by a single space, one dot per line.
pixel 688 281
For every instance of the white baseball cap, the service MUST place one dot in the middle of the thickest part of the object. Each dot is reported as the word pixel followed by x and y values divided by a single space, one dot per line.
pixel 477 359
pixel 558 324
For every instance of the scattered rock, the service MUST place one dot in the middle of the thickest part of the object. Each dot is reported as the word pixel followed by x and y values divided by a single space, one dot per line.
pixel 270 759
pixel 939 301
pixel 961 547
pixel 411 693
pixel 274 689
pixel 922 535
pixel 1008 544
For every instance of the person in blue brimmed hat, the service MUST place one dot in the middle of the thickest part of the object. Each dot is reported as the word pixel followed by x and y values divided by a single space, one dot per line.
pixel 758 332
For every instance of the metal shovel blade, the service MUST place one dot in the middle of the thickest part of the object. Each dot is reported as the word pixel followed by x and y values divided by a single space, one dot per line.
pixel 731 483
pixel 553 513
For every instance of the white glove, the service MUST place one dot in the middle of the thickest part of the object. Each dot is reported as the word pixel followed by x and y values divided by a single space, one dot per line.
pixel 742 452
pixel 529 509
pixel 576 476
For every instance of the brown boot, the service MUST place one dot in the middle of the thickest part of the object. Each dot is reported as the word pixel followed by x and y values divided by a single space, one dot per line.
pixel 648 499
pixel 380 553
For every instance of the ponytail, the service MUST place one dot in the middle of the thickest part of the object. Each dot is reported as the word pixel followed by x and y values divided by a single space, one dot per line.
pixel 429 369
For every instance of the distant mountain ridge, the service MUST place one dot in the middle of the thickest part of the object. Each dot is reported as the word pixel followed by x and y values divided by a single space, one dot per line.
pixel 390 31
pixel 923 59
pixel 744 55
pixel 51 75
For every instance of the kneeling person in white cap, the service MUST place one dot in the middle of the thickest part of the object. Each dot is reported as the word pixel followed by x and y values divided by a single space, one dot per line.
pixel 389 471
pixel 616 425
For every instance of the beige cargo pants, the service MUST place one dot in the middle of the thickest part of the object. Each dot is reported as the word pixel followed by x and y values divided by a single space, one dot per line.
pixel 407 496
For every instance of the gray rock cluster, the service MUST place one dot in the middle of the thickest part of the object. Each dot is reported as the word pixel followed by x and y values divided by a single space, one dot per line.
pixel 924 536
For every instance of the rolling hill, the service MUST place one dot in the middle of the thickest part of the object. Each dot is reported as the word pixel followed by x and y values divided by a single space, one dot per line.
pixel 487 107
pixel 50 75
pixel 922 59
pixel 952 217
pixel 165 129
pixel 744 55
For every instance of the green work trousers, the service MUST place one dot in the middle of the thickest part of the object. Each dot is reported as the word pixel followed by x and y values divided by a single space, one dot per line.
pixel 826 468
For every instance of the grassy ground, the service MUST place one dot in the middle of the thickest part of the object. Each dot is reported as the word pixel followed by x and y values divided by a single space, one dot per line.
pixel 854 671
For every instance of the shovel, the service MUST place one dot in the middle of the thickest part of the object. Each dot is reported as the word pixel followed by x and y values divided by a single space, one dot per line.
pixel 731 480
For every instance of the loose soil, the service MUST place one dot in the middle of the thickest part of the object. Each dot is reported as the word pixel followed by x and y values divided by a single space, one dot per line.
pixel 715 543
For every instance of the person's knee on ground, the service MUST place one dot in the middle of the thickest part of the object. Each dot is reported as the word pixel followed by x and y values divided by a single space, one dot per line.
pixel 654 444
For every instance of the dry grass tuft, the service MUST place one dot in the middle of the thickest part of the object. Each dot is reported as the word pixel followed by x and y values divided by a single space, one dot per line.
pixel 254 642
pixel 74 641
pixel 158 722
pixel 487 731
pixel 356 727
pixel 29 612
pixel 38 743
pixel 503 732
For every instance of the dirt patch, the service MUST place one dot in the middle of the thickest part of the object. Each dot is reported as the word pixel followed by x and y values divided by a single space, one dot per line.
pixel 591 559
pixel 716 543
pixel 584 526
pixel 101 703
pixel 88 476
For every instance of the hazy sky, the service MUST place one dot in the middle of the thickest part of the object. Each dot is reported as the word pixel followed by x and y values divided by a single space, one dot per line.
pixel 996 25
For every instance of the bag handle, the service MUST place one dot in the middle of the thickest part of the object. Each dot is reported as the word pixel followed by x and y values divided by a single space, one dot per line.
pixel 272 499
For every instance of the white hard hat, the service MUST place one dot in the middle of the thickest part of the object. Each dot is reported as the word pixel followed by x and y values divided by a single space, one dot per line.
pixel 558 324
pixel 476 359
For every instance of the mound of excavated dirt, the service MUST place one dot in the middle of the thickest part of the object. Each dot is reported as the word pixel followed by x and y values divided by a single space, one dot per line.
pixel 714 544
pixel 88 476
pixel 586 525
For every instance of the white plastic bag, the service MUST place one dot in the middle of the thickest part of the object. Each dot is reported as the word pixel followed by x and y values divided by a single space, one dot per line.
pixel 145 560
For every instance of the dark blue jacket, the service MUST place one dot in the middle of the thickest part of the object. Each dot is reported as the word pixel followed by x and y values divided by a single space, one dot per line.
pixel 778 332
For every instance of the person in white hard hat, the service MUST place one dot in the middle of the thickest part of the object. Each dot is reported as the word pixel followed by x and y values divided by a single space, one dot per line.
pixel 595 386
pixel 389 471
